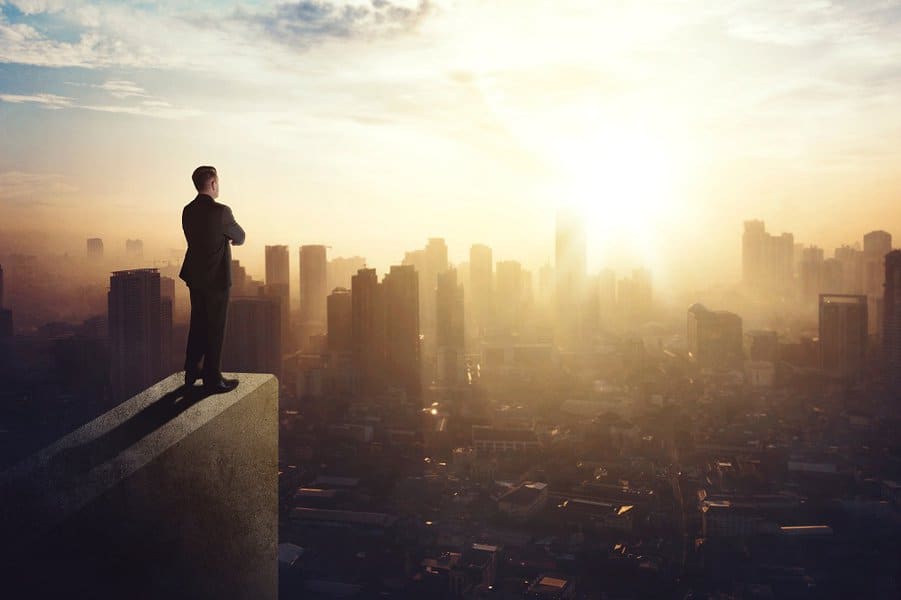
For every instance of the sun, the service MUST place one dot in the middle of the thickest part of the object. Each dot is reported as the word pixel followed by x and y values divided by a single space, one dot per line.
pixel 618 178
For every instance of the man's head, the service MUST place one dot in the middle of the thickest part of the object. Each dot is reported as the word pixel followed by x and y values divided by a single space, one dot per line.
pixel 206 180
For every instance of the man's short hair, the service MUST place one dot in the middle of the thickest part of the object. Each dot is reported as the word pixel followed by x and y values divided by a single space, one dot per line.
pixel 202 176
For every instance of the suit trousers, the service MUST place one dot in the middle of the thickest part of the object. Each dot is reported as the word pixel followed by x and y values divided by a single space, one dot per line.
pixel 209 310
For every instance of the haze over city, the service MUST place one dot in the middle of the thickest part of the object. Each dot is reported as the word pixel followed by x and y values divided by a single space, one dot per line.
pixel 665 123
pixel 450 299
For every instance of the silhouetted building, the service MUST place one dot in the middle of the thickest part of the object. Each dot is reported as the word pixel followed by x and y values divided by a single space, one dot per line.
pixel 134 250
pixel 843 334
pixel 368 328
pixel 6 322
pixel 169 363
pixel 634 296
pixel 832 277
pixel 714 337
pixel 876 244
pixel 811 272
pixel 95 248
pixel 449 316
pixel 761 346
pixel 6 315
pixel 278 284
pixel 402 335
pixel 136 323
pixel 253 336
pixel 341 269
pixel 569 268
pixel 509 296
pixel 891 336
pixel 767 260
pixel 851 260
pixel 313 291
pixel 340 320
pixel 481 287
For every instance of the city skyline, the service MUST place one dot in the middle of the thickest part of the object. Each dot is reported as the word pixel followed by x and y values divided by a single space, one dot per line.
pixel 658 124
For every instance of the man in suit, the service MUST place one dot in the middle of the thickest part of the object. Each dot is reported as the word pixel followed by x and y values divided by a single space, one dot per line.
pixel 210 229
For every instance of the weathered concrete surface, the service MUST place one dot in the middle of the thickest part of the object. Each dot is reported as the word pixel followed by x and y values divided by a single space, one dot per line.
pixel 171 494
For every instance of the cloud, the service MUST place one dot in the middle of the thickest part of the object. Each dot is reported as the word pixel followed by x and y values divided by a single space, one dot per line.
pixel 301 24
pixel 23 188
pixel 123 89
pixel 147 108
pixel 51 101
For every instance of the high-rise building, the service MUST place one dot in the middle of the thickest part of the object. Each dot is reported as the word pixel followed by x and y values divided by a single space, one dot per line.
pixel 136 330
pixel 134 249
pixel 767 260
pixel 6 315
pixel 843 334
pixel 569 268
pixel 368 328
pixel 876 244
pixel 313 290
pixel 481 287
pixel 169 362
pixel 278 284
pixel 891 324
pixel 450 335
pixel 341 269
pixel 340 321
pixel 714 337
pixel 761 345
pixel 403 359
pixel 509 299
pixel 253 336
pixel 95 248
pixel 851 260
pixel 811 272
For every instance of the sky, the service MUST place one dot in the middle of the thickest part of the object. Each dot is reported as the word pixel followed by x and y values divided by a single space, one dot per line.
pixel 372 125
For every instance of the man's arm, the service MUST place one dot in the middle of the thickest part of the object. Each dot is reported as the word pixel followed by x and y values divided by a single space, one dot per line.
pixel 233 231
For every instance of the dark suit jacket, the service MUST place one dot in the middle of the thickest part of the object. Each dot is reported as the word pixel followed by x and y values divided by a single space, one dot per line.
pixel 208 227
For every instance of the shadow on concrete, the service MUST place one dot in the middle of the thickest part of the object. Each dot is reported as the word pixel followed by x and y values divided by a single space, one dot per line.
pixel 84 457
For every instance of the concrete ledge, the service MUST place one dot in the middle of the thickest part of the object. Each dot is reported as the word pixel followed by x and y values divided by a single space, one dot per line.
pixel 171 494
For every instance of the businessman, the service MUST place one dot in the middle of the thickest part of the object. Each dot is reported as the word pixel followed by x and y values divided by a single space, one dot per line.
pixel 210 229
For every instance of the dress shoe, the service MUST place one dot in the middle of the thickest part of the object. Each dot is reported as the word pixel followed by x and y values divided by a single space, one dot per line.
pixel 191 378
pixel 222 386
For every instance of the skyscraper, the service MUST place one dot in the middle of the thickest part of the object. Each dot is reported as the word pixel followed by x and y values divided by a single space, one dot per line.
pixel 134 249
pixel 450 340
pixel 340 321
pixel 368 328
pixel 403 358
pixel 714 337
pixel 6 315
pixel 341 269
pixel 843 334
pixel 95 248
pixel 278 284
pixel 876 244
pixel 136 331
pixel 767 260
pixel 891 328
pixel 569 267
pixel 313 291
pixel 481 285
pixel 168 361
pixel 253 336
pixel 811 273
pixel 509 296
